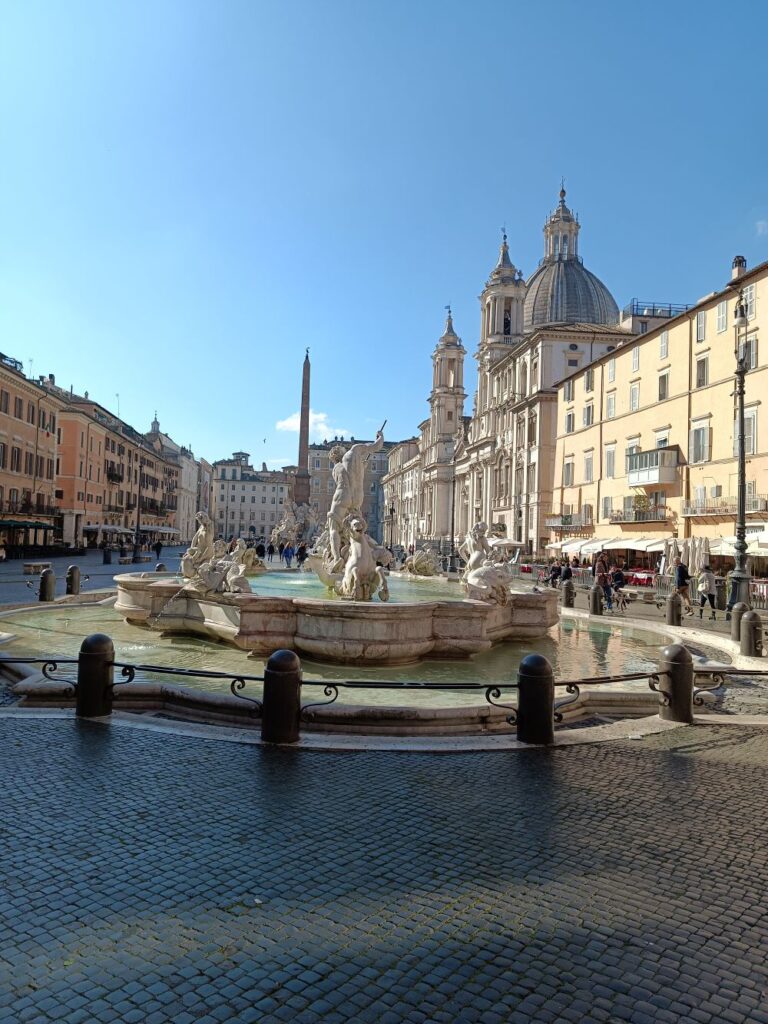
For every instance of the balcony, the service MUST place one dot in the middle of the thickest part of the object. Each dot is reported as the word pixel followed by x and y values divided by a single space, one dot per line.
pixel 115 476
pixel 659 309
pixel 726 506
pixel 113 508
pixel 569 521
pixel 654 514
pixel 658 466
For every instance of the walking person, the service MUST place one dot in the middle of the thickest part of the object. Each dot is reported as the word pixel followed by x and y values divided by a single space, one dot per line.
pixel 683 584
pixel 603 579
pixel 301 556
pixel 288 553
pixel 158 548
pixel 707 589
pixel 270 552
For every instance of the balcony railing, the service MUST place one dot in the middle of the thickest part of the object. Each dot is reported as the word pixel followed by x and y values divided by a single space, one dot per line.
pixel 657 466
pixel 569 521
pixel 28 508
pixel 115 476
pixel 654 514
pixel 113 508
pixel 638 308
pixel 725 506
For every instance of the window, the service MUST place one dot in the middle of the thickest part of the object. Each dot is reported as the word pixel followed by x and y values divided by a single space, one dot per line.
pixel 610 406
pixel 317 463
pixel 4 400
pixel 568 391
pixel 663 386
pixel 702 372
pixel 630 450
pixel 570 422
pixel 3 456
pixel 607 507
pixel 30 412
pixel 722 316
pixel 662 440
pixel 664 345
pixel 29 463
pixel 634 397
pixel 589 415
pixel 610 462
pixel 18 408
pixel 589 380
pixel 701 326
pixel 643 326
pixel 16 460
pixel 568 474
pixel 635 358
pixel 699 444
pixel 748 351
pixel 611 371
pixel 750 433
pixel 450 417
pixel 588 468
pixel 749 300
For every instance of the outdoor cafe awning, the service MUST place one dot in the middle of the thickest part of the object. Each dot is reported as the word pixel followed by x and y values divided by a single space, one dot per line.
pixel 24 524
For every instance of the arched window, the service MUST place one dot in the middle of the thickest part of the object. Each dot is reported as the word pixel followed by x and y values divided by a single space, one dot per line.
pixel 565 245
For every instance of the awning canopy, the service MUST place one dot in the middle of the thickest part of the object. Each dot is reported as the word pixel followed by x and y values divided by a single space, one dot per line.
pixel 591 546
pixel 569 545
pixel 24 524
pixel 167 529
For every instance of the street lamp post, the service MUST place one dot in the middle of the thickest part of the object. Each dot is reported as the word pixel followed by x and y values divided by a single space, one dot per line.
pixel 740 576
pixel 137 535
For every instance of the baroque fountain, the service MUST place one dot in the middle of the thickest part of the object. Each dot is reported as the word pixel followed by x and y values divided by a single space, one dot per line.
pixel 354 621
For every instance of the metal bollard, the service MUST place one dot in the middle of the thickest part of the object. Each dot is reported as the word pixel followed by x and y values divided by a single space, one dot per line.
pixel 674 613
pixel 47 585
pixel 596 596
pixel 73 579
pixel 161 567
pixel 95 676
pixel 751 635
pixel 736 613
pixel 282 698
pixel 107 553
pixel 569 594
pixel 536 700
pixel 676 684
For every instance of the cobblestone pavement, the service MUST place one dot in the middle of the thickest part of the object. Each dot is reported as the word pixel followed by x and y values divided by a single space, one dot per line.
pixel 152 878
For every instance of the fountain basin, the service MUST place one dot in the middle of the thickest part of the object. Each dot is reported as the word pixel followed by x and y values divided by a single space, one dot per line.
pixel 341 632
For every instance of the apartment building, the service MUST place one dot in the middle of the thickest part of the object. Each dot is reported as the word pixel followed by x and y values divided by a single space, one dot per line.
pixel 648 434
pixel 247 502
pixel 29 424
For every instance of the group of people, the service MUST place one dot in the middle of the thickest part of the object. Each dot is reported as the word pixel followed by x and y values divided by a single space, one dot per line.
pixel 706 588
pixel 287 552
pixel 608 575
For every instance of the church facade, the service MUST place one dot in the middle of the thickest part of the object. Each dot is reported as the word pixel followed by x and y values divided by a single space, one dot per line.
pixel 498 465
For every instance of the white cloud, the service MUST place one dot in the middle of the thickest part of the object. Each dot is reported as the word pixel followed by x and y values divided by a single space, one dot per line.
pixel 761 227
pixel 319 426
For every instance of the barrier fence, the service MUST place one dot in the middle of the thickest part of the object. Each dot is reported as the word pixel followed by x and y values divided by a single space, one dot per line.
pixel 282 712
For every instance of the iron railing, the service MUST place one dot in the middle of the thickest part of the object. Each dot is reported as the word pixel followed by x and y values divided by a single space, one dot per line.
pixel 569 520
pixel 725 506
pixel 665 309
pixel 654 514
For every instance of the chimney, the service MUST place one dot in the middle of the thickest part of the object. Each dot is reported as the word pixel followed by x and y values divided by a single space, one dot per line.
pixel 738 267
pixel 51 378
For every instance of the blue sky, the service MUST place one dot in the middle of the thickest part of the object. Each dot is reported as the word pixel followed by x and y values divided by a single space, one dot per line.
pixel 192 193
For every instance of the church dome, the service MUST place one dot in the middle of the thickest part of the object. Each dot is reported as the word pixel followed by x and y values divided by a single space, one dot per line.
pixel 564 291
pixel 561 289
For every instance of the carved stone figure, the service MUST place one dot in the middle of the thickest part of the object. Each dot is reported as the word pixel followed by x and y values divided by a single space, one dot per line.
pixel 254 566
pixel 424 562
pixel 475 548
pixel 362 577
pixel 488 582
pixel 348 476
pixel 201 548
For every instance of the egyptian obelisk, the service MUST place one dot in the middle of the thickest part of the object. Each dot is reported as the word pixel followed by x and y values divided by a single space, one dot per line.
pixel 301 483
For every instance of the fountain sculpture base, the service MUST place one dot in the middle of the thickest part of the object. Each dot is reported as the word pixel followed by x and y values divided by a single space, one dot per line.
pixel 335 631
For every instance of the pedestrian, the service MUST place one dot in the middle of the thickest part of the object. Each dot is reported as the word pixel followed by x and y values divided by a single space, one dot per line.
pixel 158 548
pixel 280 550
pixel 260 549
pixel 603 579
pixel 288 553
pixel 567 573
pixel 270 551
pixel 683 583
pixel 554 574
pixel 707 589
pixel 301 555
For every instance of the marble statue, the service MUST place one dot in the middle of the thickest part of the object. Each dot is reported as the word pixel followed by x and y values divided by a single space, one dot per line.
pixel 254 566
pixel 362 576
pixel 348 476
pixel 424 562
pixel 298 524
pixel 207 567
pixel 345 558
pixel 201 549
pixel 475 548
pixel 488 582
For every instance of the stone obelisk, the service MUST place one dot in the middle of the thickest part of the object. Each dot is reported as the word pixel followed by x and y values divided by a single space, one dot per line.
pixel 301 483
